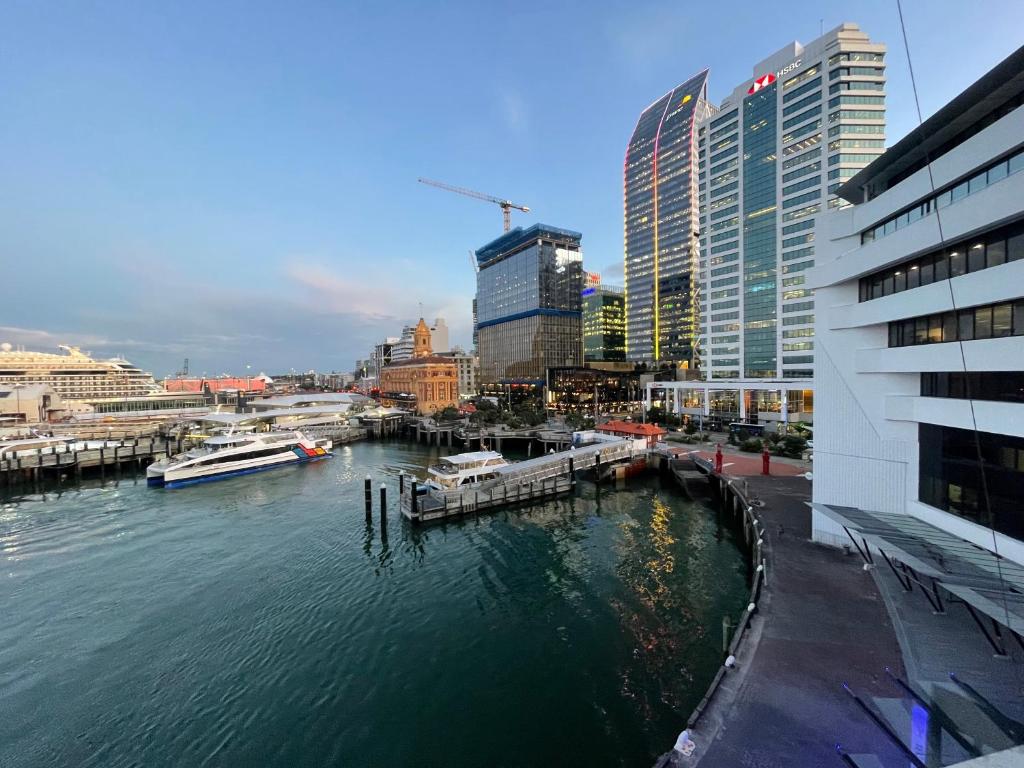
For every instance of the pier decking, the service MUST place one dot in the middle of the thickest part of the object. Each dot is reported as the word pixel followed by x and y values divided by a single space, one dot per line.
pixel 537 478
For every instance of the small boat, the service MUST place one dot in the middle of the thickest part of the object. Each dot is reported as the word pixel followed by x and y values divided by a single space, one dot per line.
pixel 230 455
pixel 464 468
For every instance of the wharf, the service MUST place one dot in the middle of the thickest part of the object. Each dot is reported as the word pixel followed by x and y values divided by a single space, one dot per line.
pixel 537 478
pixel 62 460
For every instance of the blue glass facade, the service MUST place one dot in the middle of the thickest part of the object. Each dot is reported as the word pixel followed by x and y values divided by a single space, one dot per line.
pixel 759 233
pixel 529 310
pixel 661 227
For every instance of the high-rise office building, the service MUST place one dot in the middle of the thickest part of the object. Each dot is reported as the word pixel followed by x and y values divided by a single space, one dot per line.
pixel 529 304
pixel 661 226
pixel 771 160
pixel 604 321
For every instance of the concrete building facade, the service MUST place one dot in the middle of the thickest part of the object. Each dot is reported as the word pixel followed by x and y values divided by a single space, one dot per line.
pixel 919 287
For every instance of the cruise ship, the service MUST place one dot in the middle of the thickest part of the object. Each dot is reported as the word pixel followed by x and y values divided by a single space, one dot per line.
pixel 74 375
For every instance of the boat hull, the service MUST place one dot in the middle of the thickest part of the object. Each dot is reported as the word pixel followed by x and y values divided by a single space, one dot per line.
pixel 184 482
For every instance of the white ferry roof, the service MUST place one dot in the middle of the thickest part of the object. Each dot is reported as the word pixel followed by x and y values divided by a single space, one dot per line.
pixel 313 398
pixel 242 418
pixel 469 458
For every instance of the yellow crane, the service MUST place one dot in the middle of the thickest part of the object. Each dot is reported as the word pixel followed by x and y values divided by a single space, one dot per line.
pixel 505 205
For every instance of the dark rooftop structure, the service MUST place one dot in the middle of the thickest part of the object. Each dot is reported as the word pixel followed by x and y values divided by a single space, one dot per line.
pixel 994 95
pixel 519 238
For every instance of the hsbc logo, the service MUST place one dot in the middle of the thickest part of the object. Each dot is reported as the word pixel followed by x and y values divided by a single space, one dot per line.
pixel 770 78
pixel 761 82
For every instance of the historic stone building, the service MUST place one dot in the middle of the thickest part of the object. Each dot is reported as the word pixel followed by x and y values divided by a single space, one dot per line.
pixel 425 382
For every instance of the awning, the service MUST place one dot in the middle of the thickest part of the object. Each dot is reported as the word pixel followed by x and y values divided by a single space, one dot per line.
pixel 987 584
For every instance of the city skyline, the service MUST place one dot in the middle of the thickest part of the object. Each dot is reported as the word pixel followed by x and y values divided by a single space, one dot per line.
pixel 176 194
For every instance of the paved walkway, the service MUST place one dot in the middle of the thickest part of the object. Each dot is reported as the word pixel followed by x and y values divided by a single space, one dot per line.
pixel 821 623
pixel 738 464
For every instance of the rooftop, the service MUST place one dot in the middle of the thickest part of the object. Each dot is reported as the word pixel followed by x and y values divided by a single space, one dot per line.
pixel 519 237
pixel 630 428
pixel 989 98
pixel 468 458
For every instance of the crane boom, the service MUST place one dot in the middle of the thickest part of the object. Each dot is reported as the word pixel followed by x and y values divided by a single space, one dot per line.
pixel 505 205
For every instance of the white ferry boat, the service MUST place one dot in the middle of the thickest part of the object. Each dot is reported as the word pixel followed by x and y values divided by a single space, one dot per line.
pixel 236 454
pixel 464 468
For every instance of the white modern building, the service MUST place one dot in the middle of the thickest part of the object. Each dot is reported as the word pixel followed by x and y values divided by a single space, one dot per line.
pixel 919 364
pixel 771 160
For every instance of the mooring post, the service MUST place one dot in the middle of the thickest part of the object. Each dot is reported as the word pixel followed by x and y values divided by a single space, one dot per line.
pixel 401 484
pixel 572 473
pixel 383 505
pixel 415 500
pixel 368 492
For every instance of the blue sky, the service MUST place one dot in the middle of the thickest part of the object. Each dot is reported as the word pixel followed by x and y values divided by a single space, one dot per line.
pixel 235 182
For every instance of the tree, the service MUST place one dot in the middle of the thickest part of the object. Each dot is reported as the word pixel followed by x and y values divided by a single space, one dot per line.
pixel 656 414
pixel 450 413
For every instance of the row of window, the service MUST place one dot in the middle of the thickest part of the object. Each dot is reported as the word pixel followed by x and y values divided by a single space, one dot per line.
pixel 1000 386
pixel 989 250
pixel 801 117
pixel 855 56
pixel 949 195
pixel 991 321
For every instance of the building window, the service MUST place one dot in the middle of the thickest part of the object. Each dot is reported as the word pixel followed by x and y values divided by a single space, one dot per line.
pixel 981 252
pixel 1000 386
pixel 950 476
pixel 987 322
pixel 952 194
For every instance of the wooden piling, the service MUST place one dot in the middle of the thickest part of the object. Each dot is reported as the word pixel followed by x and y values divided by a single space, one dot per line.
pixel 368 492
pixel 383 505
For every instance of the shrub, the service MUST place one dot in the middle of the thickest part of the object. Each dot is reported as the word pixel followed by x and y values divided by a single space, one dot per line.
pixel 792 446
pixel 751 445
pixel 690 427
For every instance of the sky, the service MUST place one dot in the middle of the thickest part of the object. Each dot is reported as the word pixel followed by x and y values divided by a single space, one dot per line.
pixel 235 182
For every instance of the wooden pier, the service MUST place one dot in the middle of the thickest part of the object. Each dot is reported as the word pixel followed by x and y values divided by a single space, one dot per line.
pixel 535 479
pixel 62 460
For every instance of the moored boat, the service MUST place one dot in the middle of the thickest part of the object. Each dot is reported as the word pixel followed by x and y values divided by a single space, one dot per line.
pixel 464 468
pixel 231 455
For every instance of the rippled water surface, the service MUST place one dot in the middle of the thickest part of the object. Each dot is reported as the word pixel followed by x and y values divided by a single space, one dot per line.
pixel 259 621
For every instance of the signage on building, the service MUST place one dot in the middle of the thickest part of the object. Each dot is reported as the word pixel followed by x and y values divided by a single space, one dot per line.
pixel 771 77
pixel 786 70
pixel 761 82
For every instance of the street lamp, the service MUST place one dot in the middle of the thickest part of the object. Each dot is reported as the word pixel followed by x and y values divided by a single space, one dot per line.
pixel 17 397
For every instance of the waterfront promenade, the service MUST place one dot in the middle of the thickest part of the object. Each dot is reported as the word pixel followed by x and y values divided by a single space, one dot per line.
pixel 820 623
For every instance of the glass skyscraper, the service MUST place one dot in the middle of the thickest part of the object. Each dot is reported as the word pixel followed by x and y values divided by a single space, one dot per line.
pixel 604 323
pixel 771 159
pixel 661 227
pixel 528 304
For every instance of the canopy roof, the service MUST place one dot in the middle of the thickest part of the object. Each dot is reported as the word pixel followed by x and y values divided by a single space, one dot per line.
pixel 986 582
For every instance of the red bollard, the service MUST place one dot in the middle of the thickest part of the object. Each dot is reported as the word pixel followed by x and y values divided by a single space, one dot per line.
pixel 718 458
pixel 765 461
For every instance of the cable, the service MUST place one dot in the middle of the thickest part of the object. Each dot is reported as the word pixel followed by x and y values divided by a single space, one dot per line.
pixel 960 342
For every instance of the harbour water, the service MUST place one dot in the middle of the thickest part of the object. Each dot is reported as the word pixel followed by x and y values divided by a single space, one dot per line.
pixel 259 621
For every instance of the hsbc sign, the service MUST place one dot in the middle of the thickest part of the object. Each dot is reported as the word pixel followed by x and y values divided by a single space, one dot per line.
pixel 761 82
pixel 768 79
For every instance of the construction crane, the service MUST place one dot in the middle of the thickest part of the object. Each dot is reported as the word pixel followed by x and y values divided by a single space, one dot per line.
pixel 505 205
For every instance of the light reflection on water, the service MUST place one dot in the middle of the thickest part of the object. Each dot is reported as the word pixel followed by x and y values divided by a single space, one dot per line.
pixel 263 621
